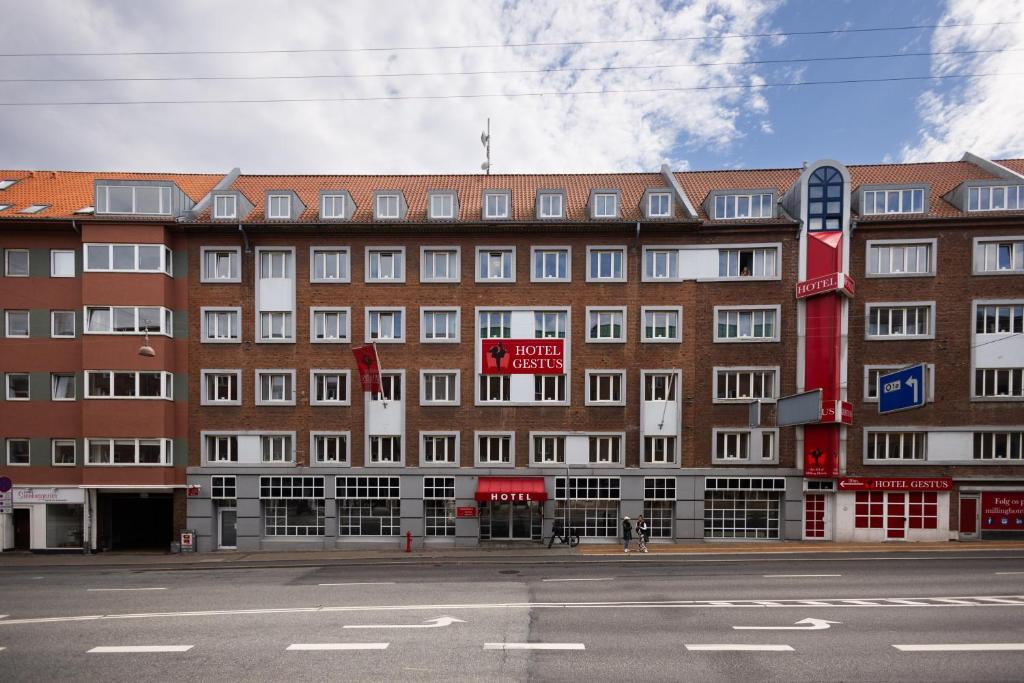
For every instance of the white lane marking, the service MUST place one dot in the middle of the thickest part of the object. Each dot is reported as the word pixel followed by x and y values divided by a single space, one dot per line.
pixel 439 622
pixel 97 590
pixel 2 648
pixel 738 647
pixel 1001 601
pixel 218 559
pixel 604 578
pixel 1008 573
pixel 337 646
pixel 800 576
pixel 909 603
pixel 360 583
pixel 4 616
pixel 140 648
pixel 962 647
pixel 808 625
pixel 534 646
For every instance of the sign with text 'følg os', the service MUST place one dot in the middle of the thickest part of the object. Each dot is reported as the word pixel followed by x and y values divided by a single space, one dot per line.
pixel 522 356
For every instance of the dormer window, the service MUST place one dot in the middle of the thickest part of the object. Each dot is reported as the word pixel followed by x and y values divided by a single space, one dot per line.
pixel 141 200
pixel 279 206
pixel 875 202
pixel 332 206
pixel 735 206
pixel 659 205
pixel 995 198
pixel 551 205
pixel 388 206
pixel 225 206
pixel 442 205
pixel 606 205
pixel 496 205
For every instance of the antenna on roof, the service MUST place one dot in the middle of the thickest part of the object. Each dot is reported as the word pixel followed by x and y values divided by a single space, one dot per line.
pixel 485 140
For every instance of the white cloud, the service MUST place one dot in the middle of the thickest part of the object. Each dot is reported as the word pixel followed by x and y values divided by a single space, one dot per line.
pixel 982 115
pixel 584 133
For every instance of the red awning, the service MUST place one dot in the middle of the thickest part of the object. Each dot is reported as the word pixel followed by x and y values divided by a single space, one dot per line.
pixel 511 489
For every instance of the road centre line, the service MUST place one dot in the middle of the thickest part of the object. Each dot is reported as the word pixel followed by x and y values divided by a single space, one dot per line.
pixel 738 647
pixel 604 578
pixel 140 648
pixel 307 647
pixel 534 646
pixel 962 647
pixel 360 583
pixel 97 590
pixel 1008 573
pixel 799 576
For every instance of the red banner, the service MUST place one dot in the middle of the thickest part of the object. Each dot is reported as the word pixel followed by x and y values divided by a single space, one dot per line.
pixel 1002 510
pixel 819 464
pixel 465 511
pixel 369 367
pixel 895 484
pixel 522 356
pixel 837 411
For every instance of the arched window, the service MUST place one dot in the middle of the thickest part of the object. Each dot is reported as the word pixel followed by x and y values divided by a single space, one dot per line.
pixel 825 200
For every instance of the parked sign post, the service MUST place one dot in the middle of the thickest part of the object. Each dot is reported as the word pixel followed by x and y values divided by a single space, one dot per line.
pixel 902 390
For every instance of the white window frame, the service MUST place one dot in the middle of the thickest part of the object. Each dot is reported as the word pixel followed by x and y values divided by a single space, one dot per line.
pixel 234 266
pixel 345 257
pixel 598 197
pixel 166 452
pixel 870 432
pixel 539 251
pixel 870 257
pixel 7 451
pixel 166 316
pixel 595 277
pixel 755 445
pixel 678 338
pixel 1014 372
pixel 434 214
pixel 288 452
pixel 289 320
pixel 314 385
pixel 506 199
pixel 166 258
pixel 929 381
pixel 398 253
pixel 345 436
pixel 53 325
pixel 204 325
pixel 166 385
pixel 273 254
pixel 719 370
pixel 165 199
pixel 885 192
pixel 591 373
pixel 53 452
pixel 394 462
pixel 619 437
pixel 673 256
pixel 283 201
pixel 721 208
pixel 425 253
pixel 7 385
pixel 488 434
pixel 334 215
pixel 53 262
pixel 345 338
pixel 598 310
pixel 457 455
pixel 989 190
pixel 457 400
pixel 223 208
pixel 871 306
pixel 776 260
pixel 7 262
pixel 484 252
pixel 425 310
pixel 258 386
pixel 204 396
pixel 649 201
pixel 673 458
pixel 777 308
pixel 28 323
pixel 555 436
pixel 387 198
pixel 1017 242
pixel 991 434
pixel 546 209
pixel 53 386
pixel 369 311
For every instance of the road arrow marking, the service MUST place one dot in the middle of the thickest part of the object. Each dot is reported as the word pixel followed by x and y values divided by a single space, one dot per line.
pixel 430 623
pixel 811 625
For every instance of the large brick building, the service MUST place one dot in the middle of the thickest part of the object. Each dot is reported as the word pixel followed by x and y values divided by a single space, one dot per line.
pixel 637 317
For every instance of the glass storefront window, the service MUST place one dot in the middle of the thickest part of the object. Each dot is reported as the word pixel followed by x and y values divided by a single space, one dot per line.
pixel 63 526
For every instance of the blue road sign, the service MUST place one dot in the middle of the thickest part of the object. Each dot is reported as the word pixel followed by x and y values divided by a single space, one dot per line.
pixel 902 389
pixel 5 484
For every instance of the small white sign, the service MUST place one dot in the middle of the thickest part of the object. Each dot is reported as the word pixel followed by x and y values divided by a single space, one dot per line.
pixel 6 503
pixel 38 494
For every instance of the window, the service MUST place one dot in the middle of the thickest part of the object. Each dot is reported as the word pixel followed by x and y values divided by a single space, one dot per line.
pixel 329 265
pixel 880 446
pixel 995 198
pixel 549 388
pixel 128 258
pixel 128 320
pixel 548 450
pixel 329 326
pixel 661 324
pixel 223 487
pixel 875 202
pixel 439 448
pixel 659 205
pixel 743 507
pixel 754 324
pixel 385 325
pixel 605 450
pixel 899 259
pixel 494 449
pixel 17 323
pixel 550 205
pixel 733 206
pixel 388 207
pixel 551 264
pixel 279 206
pixel 63 452
pixel 912 320
pixel 18 452
pixel 659 502
pixel 439 387
pixel 999 256
pixel 385 265
pixel 225 206
pixel 222 325
pixel 661 264
pixel 549 324
pixel 222 387
pixel 62 387
pixel 495 388
pixel 496 205
pixel 221 264
pixel 496 264
pixel 275 264
pixel 386 450
pixel 276 448
pixel 62 263
pixel 292 506
pixel 275 386
pixel 660 386
pixel 593 510
pixel 744 445
pixel 659 450
pixel 221 448
pixel 151 200
pixel 869 511
pixel 328 387
pixel 999 383
pixel 16 262
pixel 442 205
pixel 368 506
pixel 128 384
pixel 330 448
pixel 391 387
pixel 439 325
pixel 128 452
pixel 4 183
pixel 873 372
pixel 439 265
pixel 34 208
pixel 606 205
pixel 606 264
pixel 744 263
pixel 605 387
pixel 825 200
pixel 439 506
pixel 1000 319
pixel 495 324
pixel 18 386
pixel 606 325
pixel 275 326
pixel 999 445
pixel 332 206
pixel 745 384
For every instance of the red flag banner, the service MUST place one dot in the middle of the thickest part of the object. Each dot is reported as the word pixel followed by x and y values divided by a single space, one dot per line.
pixel 522 356
pixel 369 367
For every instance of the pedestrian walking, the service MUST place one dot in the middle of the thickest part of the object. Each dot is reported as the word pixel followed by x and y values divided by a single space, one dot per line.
pixel 643 533
pixel 627 534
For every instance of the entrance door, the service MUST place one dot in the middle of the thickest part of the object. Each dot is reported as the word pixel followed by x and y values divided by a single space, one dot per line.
pixel 968 516
pixel 228 528
pixel 512 521
pixel 816 527
pixel 22 529
pixel 896 516
pixel 522 520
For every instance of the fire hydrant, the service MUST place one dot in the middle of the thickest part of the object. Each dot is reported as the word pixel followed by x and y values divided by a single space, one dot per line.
pixel 408 541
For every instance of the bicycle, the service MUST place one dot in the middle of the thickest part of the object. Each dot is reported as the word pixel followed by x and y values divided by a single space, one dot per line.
pixel 572 538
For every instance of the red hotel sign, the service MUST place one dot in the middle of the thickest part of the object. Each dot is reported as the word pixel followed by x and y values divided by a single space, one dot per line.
pixel 895 484
pixel 522 356
pixel 1002 510
pixel 837 412
pixel 835 282
pixel 465 511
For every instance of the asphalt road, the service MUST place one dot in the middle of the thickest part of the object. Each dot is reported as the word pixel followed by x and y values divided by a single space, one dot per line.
pixel 861 617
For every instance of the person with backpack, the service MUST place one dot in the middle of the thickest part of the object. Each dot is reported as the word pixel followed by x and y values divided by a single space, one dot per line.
pixel 627 534
pixel 643 533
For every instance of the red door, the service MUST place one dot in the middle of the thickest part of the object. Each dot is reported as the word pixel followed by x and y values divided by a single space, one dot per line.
pixel 814 515
pixel 896 515
pixel 968 516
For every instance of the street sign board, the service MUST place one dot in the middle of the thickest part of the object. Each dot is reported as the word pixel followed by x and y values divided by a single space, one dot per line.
pixel 798 409
pixel 895 484
pixel 6 502
pixel 754 414
pixel 465 511
pixel 901 390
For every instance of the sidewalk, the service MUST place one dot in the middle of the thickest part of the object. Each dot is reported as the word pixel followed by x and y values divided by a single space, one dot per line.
pixel 533 553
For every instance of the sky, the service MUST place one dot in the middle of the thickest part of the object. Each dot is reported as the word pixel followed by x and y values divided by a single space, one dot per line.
pixel 655 83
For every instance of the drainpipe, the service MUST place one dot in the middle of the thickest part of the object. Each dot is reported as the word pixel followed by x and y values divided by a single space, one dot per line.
pixel 245 238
